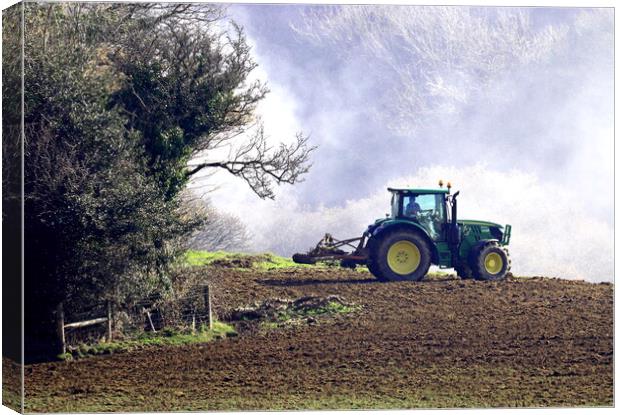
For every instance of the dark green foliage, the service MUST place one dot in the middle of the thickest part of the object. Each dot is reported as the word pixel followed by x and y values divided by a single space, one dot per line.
pixel 96 224
pixel 11 190
pixel 118 98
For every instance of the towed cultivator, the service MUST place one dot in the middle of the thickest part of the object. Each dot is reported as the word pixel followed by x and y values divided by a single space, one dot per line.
pixel 328 248
pixel 421 230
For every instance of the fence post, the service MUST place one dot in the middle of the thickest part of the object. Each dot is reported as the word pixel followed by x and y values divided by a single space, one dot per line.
pixel 109 321
pixel 207 295
pixel 148 315
pixel 60 327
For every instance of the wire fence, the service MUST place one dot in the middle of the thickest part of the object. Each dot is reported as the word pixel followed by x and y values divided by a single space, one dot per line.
pixel 106 320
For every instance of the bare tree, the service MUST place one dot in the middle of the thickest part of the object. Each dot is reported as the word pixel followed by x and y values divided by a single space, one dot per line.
pixel 438 57
pixel 219 231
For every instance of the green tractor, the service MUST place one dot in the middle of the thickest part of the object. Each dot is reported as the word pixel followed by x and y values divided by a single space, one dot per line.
pixel 422 229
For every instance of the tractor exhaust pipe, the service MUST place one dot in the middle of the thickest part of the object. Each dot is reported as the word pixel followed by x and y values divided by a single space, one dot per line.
pixel 453 231
pixel 454 208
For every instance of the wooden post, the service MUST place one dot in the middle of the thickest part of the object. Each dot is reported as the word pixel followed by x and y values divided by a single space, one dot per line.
pixel 207 297
pixel 148 315
pixel 60 327
pixel 109 321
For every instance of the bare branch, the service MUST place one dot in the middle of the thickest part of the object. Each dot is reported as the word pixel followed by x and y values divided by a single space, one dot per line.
pixel 261 166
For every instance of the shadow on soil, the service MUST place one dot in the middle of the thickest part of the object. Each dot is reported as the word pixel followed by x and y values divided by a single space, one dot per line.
pixel 313 281
pixel 300 282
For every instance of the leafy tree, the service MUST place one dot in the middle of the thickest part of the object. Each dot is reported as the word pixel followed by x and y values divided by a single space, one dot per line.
pixel 118 99
pixel 11 183
pixel 186 92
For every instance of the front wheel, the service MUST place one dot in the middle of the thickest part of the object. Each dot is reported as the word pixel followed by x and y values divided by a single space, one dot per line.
pixel 491 263
pixel 400 256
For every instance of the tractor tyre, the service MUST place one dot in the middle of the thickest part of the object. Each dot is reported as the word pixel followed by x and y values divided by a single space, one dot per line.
pixel 372 264
pixel 400 256
pixel 491 263
pixel 347 263
pixel 374 270
pixel 463 270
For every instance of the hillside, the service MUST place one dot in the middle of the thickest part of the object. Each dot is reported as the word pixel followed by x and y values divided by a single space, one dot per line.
pixel 443 342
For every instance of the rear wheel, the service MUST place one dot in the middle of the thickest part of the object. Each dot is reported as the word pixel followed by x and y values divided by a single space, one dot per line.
pixel 347 263
pixel 371 264
pixel 491 263
pixel 400 256
pixel 374 270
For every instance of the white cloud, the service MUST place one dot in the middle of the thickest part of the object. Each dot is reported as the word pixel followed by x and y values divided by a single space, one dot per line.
pixel 553 231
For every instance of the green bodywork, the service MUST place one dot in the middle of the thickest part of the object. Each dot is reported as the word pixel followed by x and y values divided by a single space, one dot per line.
pixel 435 226
pixel 474 231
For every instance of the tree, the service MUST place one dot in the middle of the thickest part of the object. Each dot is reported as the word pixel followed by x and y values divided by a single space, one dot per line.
pixel 96 225
pixel 219 231
pixel 434 59
pixel 118 98
pixel 186 91
pixel 11 183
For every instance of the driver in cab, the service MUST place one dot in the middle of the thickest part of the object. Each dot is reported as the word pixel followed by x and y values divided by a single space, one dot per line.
pixel 412 208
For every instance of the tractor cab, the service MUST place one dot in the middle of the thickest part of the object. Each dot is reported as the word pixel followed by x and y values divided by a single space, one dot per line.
pixel 427 207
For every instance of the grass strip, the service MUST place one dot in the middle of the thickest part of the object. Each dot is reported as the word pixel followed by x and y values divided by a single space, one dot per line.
pixel 167 337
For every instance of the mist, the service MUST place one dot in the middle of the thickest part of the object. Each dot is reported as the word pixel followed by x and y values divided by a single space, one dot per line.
pixel 513 105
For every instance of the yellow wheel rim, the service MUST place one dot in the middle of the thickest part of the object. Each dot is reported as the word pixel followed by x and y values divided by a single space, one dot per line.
pixel 403 257
pixel 493 263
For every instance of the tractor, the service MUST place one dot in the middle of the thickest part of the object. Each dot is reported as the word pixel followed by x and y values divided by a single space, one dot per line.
pixel 422 229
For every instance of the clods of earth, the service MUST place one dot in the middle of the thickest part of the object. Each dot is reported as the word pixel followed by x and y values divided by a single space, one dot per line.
pixel 339 339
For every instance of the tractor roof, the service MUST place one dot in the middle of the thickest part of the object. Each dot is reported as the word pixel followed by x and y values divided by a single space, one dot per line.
pixel 420 191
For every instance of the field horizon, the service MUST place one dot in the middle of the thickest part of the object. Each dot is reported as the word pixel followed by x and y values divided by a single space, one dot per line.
pixel 440 343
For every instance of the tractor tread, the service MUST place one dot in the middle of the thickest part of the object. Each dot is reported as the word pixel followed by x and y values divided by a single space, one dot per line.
pixel 477 262
pixel 377 263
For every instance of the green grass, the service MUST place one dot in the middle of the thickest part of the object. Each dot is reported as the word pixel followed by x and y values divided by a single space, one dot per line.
pixel 262 262
pixel 284 402
pixel 268 261
pixel 277 262
pixel 292 316
pixel 166 337
pixel 259 262
pixel 332 307
pixel 204 257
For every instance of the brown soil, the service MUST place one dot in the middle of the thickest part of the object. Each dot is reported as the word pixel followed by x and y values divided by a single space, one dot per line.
pixel 438 343
pixel 11 384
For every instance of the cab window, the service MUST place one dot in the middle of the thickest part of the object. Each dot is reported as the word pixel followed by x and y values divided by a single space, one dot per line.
pixel 428 210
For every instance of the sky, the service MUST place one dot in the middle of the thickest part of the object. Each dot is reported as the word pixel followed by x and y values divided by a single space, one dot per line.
pixel 514 106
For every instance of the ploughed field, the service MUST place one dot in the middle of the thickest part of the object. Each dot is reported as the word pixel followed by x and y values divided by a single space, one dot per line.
pixel 443 342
